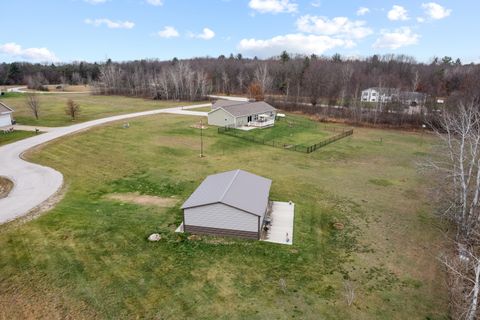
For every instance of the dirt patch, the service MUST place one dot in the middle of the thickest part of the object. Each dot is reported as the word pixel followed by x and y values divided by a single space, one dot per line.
pixel 141 199
pixel 40 302
pixel 5 187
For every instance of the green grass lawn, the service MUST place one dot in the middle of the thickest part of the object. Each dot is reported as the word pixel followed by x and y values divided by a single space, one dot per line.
pixel 52 107
pixel 89 257
pixel 295 130
pixel 14 136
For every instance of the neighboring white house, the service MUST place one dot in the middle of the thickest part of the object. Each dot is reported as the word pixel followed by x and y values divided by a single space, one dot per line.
pixel 379 94
pixel 5 115
pixel 407 98
pixel 232 203
pixel 241 114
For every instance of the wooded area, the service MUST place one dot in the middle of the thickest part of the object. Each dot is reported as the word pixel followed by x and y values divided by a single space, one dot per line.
pixel 329 87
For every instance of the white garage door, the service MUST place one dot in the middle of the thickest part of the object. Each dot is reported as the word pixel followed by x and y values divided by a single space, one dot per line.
pixel 5 120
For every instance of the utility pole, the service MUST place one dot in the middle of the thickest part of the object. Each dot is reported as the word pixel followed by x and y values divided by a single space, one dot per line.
pixel 201 139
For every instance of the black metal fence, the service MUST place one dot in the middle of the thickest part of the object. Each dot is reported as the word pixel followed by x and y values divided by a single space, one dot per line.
pixel 279 144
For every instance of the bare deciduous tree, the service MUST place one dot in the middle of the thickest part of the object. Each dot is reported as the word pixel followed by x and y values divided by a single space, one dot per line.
pixel 72 109
pixel 459 129
pixel 262 77
pixel 33 104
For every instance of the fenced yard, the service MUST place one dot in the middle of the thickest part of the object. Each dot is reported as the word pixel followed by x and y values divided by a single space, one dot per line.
pixel 299 135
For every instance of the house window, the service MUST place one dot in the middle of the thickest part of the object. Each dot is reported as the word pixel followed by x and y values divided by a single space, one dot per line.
pixel 374 94
pixel 255 117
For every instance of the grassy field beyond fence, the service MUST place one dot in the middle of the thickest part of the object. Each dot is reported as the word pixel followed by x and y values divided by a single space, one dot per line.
pixel 293 133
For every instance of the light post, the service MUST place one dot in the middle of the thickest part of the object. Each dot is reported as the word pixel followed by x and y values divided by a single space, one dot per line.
pixel 201 139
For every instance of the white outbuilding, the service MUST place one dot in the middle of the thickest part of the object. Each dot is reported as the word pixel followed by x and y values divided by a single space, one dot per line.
pixel 232 203
pixel 5 115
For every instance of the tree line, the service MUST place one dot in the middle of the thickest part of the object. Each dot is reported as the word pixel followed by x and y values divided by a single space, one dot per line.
pixel 325 86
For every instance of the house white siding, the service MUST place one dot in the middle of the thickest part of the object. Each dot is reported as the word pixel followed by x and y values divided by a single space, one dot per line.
pixel 220 216
pixel 5 120
pixel 378 95
pixel 220 118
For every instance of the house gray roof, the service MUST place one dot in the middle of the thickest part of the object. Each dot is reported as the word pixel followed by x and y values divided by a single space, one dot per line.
pixel 4 109
pixel 412 95
pixel 226 103
pixel 243 108
pixel 239 189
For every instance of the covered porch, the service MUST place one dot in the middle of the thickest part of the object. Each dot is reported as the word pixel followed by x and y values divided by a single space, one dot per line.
pixel 261 120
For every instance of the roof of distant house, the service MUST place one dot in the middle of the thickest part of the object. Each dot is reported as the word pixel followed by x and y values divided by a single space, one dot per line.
pixel 239 189
pixel 4 109
pixel 242 108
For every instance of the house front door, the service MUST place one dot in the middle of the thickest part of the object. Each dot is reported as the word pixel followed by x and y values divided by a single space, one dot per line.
pixel 249 119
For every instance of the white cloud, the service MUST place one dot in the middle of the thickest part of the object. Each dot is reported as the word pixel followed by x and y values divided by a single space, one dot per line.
pixel 420 19
pixel 30 54
pixel 206 34
pixel 273 6
pixel 156 3
pixel 397 38
pixel 110 24
pixel 95 1
pixel 168 32
pixel 362 11
pixel 295 43
pixel 397 13
pixel 338 26
pixel 316 4
pixel 435 11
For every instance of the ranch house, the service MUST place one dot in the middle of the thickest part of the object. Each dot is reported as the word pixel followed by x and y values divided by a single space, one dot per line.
pixel 232 203
pixel 240 114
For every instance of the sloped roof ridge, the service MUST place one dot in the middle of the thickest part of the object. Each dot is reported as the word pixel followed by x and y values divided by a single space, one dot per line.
pixel 229 185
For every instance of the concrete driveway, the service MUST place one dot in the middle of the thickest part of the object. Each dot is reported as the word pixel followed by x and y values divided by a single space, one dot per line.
pixel 35 184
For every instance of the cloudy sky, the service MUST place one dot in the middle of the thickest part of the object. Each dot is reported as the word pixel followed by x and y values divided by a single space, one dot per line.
pixel 94 30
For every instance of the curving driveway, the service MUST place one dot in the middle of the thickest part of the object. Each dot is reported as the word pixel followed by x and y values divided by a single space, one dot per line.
pixel 35 184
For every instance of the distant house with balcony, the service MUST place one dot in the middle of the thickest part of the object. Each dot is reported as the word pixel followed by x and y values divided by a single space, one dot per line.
pixel 379 94
pixel 238 114
pixel 406 98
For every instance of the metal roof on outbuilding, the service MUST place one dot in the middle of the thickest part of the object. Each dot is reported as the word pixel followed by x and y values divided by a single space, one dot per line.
pixel 242 108
pixel 239 189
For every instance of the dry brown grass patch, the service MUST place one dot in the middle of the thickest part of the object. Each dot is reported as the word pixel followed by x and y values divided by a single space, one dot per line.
pixel 146 200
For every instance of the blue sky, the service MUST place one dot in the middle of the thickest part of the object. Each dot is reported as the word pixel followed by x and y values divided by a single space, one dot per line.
pixel 94 30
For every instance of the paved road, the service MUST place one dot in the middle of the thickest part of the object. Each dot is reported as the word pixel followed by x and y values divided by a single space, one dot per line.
pixel 22 127
pixel 231 98
pixel 23 90
pixel 35 184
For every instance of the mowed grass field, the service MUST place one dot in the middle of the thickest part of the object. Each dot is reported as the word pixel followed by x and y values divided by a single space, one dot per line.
pixel 52 107
pixel 294 130
pixel 89 257
pixel 14 136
